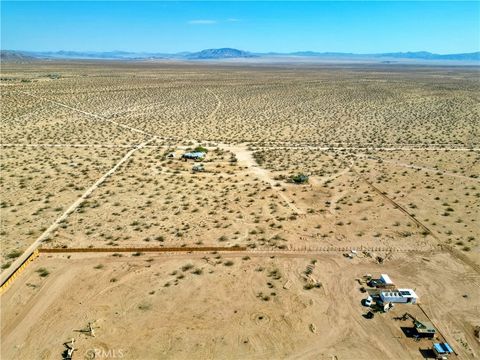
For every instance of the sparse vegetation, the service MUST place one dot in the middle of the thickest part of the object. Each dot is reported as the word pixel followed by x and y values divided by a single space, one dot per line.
pixel 373 142
pixel 43 272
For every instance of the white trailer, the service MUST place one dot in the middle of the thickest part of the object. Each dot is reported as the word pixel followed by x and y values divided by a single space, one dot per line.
pixel 406 296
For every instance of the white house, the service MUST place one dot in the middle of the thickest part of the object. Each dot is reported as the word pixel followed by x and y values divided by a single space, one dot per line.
pixel 399 296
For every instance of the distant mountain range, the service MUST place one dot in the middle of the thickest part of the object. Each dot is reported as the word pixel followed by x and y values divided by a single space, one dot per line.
pixel 226 53
pixel 15 56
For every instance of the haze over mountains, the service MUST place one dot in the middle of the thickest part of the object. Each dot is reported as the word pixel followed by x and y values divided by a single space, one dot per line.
pixel 228 53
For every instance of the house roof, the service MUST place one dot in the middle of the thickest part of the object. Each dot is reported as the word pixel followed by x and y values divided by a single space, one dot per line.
pixel 194 154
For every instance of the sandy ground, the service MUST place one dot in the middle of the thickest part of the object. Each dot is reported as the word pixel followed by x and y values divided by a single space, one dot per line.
pixel 165 204
pixel 38 185
pixel 81 181
pixel 219 314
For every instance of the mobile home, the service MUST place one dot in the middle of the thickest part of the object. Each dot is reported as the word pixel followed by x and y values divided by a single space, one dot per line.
pixel 399 296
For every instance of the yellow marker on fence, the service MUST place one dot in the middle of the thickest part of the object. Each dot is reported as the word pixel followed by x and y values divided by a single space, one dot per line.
pixel 22 267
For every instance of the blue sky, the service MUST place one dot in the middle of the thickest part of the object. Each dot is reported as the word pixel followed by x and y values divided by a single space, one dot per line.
pixel 342 26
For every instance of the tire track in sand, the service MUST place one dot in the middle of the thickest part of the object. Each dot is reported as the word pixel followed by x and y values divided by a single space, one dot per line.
pixel 219 103
pixel 446 247
pixel 245 156
pixel 96 116
pixel 4 276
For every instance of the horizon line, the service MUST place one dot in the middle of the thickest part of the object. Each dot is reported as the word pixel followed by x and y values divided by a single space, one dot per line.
pixel 266 52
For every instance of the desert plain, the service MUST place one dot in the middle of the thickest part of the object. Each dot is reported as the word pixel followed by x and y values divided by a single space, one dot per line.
pixel 138 256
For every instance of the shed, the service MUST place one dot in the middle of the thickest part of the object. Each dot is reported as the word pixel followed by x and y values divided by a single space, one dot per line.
pixel 386 279
pixel 399 296
pixel 442 350
pixel 424 329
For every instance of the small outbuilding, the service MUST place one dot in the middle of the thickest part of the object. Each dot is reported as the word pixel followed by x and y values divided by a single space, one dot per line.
pixel 424 329
pixel 406 296
pixel 386 281
pixel 421 329
pixel 442 350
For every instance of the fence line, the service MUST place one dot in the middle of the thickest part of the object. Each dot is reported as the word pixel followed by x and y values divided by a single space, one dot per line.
pixel 141 249
pixel 18 271
pixel 231 248
pixel 344 249
pixel 340 249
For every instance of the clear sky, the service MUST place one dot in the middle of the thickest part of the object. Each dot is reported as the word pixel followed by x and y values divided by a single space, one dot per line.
pixel 342 26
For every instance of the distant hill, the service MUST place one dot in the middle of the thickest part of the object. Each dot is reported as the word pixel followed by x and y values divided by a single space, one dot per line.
pixel 424 55
pixel 95 55
pixel 224 53
pixel 230 53
pixel 15 56
pixel 419 55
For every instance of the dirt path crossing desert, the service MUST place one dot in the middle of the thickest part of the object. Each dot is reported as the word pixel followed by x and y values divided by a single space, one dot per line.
pixel 245 157
pixel 34 246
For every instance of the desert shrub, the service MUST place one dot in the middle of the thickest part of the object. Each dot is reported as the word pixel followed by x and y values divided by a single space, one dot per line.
pixel 14 254
pixel 310 286
pixel 53 76
pixel 43 272
pixel 299 178
pixel 187 267
pixel 145 306
pixel 197 272
pixel 200 149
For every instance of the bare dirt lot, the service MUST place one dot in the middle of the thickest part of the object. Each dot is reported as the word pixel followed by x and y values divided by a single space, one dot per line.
pixel 232 306
pixel 91 158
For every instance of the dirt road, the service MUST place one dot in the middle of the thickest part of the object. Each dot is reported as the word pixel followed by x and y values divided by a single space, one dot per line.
pixel 450 249
pixel 416 167
pixel 245 157
pixel 367 148
pixel 96 116
pixel 219 104
pixel 29 251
